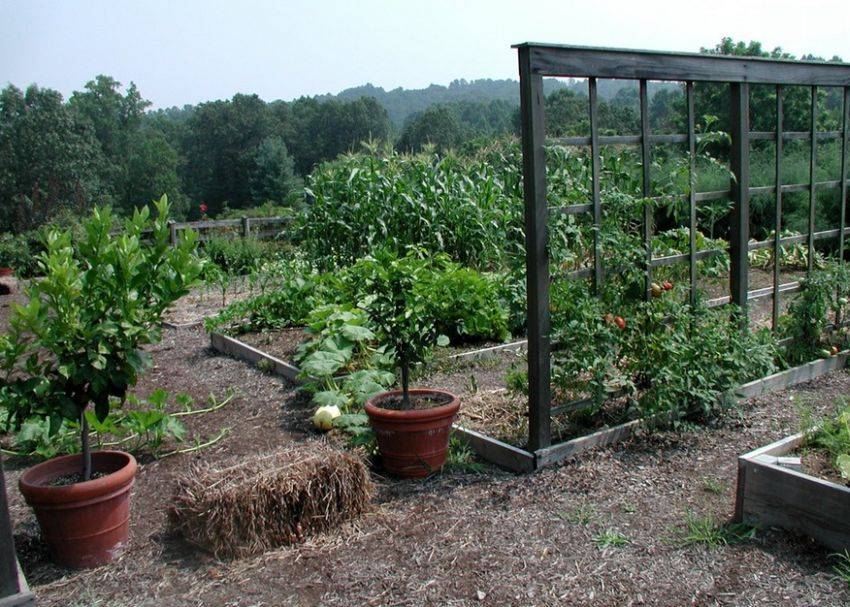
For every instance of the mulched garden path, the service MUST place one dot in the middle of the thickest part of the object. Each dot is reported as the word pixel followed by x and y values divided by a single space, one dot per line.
pixel 461 537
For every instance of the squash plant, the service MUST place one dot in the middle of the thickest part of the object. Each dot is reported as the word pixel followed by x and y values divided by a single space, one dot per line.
pixel 77 342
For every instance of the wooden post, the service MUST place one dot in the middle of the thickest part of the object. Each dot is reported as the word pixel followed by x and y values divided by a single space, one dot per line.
pixel 813 160
pixel 172 227
pixel 777 220
pixel 646 161
pixel 595 176
pixel 692 196
pixel 246 227
pixel 740 165
pixel 845 143
pixel 536 252
pixel 13 588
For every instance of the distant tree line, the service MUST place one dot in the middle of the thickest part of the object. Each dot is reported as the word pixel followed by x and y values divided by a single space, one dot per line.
pixel 104 145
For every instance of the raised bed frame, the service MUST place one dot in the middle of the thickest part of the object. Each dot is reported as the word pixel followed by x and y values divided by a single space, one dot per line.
pixel 770 495
pixel 518 459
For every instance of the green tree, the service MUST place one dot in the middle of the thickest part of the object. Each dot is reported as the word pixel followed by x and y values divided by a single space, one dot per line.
pixel 273 178
pixel 437 126
pixel 48 159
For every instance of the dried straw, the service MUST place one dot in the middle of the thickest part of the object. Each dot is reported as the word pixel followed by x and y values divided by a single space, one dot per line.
pixel 260 503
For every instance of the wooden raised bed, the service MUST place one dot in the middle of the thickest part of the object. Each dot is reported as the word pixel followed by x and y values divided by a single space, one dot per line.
pixel 770 495
pixel 518 459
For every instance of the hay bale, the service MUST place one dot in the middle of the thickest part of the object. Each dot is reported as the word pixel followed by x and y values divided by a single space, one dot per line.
pixel 262 502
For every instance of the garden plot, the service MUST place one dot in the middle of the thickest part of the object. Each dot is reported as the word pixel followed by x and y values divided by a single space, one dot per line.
pixel 477 528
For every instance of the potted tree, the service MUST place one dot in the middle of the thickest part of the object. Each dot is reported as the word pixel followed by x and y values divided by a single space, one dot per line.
pixel 73 351
pixel 412 426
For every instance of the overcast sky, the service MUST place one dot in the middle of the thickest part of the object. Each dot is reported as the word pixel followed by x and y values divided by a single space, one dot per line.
pixel 188 51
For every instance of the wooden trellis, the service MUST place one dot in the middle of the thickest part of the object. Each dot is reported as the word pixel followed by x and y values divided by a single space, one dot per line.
pixel 537 61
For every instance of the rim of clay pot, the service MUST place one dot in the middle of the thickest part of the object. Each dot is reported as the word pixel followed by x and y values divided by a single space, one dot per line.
pixel 373 406
pixel 33 483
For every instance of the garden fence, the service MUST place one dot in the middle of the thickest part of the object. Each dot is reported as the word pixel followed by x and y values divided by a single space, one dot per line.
pixel 537 61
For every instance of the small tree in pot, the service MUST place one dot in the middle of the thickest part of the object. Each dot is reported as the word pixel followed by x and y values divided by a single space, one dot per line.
pixel 411 425
pixel 77 344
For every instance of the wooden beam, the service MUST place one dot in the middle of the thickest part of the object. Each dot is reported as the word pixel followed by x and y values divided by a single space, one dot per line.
pixel 646 184
pixel 237 349
pixel 583 62
pixel 14 591
pixel 495 451
pixel 536 251
pixel 692 201
pixel 813 155
pixel 777 210
pixel 740 228
pixel 793 376
pixel 595 176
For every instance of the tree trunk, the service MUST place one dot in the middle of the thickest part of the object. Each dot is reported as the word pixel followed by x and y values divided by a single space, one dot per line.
pixel 405 383
pixel 84 435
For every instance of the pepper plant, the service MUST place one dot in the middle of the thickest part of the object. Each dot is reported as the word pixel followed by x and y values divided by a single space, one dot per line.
pixel 77 342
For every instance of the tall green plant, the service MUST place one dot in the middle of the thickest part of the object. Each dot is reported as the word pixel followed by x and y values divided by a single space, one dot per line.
pixel 77 342
pixel 400 312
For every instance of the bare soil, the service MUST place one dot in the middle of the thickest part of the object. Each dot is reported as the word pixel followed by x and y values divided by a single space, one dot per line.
pixel 819 463
pixel 281 344
pixel 462 537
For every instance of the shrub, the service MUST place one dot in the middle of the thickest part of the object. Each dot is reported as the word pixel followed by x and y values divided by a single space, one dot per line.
pixel 77 342
pixel 400 313
pixel 238 255
pixel 16 253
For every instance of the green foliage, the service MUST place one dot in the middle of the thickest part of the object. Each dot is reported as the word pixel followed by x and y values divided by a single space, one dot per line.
pixel 711 533
pixel 77 341
pixel 342 362
pixel 290 290
pixel 142 426
pixel 668 358
pixel 238 255
pixel 459 206
pixel 400 313
pixel 842 567
pixel 832 434
pixel 15 253
pixel 610 538
pixel 825 291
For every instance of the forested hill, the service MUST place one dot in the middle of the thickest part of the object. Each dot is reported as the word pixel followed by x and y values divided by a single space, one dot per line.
pixel 401 103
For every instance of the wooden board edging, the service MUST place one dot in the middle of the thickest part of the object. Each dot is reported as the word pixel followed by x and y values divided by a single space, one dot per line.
pixel 237 349
pixel 514 346
pixel 495 451
pixel 607 436
pixel 793 376
pixel 771 495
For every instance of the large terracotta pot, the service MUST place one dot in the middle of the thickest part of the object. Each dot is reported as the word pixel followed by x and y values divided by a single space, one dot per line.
pixel 413 443
pixel 85 524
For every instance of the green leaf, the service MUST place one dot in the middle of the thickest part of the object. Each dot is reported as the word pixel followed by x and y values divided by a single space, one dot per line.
pixel 842 462
pixel 330 398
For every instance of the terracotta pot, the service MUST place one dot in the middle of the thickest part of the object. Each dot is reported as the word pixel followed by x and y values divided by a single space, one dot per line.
pixel 85 524
pixel 413 443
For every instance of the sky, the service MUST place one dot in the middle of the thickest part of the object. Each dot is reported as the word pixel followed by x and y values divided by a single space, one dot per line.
pixel 188 51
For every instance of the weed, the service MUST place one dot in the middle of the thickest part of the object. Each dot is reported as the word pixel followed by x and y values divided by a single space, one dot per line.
pixel 610 539
pixel 708 531
pixel 842 567
pixel 712 485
